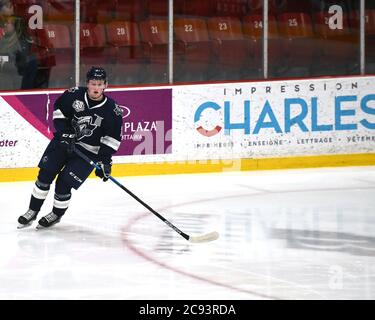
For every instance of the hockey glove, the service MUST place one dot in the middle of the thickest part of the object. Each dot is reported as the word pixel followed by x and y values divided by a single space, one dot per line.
pixel 105 170
pixel 67 140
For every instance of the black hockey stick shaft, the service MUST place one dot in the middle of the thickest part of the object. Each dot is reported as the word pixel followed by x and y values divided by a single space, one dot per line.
pixel 92 163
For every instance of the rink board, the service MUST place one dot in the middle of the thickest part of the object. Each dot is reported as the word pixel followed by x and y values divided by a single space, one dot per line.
pixel 137 169
pixel 211 127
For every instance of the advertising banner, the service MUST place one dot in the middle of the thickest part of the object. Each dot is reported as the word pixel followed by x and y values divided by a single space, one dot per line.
pixel 275 119
pixel 27 125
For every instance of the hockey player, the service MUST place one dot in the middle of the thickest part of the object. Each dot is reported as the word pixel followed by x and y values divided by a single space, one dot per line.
pixel 84 118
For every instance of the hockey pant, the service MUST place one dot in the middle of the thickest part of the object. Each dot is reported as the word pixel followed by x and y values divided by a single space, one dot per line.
pixel 71 172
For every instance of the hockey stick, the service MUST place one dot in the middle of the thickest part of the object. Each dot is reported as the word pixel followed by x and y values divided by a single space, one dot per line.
pixel 196 239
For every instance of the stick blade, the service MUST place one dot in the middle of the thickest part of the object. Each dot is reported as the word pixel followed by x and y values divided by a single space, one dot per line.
pixel 204 238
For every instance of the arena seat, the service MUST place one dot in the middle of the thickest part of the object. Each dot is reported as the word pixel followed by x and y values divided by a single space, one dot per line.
pixel 88 11
pixel 106 11
pixel 370 40
pixel 129 10
pixel 157 8
pixel 193 49
pixel 97 11
pixel 369 31
pixel 60 10
pixel 56 39
pixel 93 47
pixel 253 31
pixel 370 22
pixel 338 47
pixel 92 35
pixel 324 31
pixel 370 34
pixel 123 33
pixel 124 37
pixel 231 50
pixel 296 33
pixel 154 39
pixel 231 8
pixel 202 8
pixel 255 7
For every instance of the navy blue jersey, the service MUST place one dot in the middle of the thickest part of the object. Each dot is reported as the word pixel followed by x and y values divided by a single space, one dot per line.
pixel 97 124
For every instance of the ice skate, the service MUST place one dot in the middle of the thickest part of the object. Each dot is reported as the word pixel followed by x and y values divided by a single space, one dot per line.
pixel 27 219
pixel 48 221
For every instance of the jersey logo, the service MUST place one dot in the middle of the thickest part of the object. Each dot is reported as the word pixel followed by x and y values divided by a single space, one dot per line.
pixel 117 110
pixel 85 126
pixel 78 105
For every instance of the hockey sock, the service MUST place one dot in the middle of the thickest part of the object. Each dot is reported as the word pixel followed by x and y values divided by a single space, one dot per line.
pixel 38 195
pixel 61 203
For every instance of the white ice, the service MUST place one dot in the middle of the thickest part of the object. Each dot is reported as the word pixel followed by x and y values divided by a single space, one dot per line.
pixel 284 234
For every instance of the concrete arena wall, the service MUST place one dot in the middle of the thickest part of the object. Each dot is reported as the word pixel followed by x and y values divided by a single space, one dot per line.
pixel 211 127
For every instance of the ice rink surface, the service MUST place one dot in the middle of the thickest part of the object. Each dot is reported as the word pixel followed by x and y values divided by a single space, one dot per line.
pixel 285 234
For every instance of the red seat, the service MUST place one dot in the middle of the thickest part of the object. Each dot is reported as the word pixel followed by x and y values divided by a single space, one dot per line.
pixel 370 36
pixel 193 49
pixel 296 33
pixel 88 11
pixel 60 10
pixel 56 39
pixel 324 31
pixel 203 8
pixel 225 28
pixel 369 31
pixel 92 35
pixel 154 31
pixel 129 10
pixel 354 19
pixel 157 8
pixel 154 34
pixel 256 6
pixel 123 33
pixel 253 30
pixel 231 49
pixel 370 22
pixel 93 47
pixel 97 11
pixel 338 47
pixel 207 8
pixel 124 37
pixel 231 8
pixel 106 10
